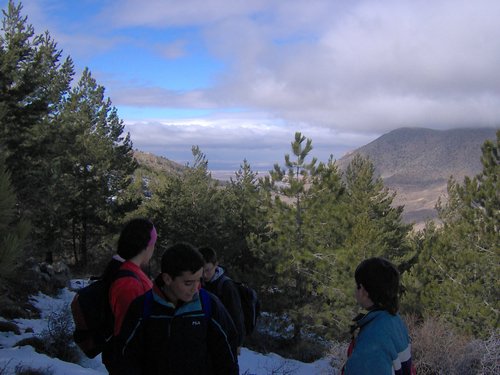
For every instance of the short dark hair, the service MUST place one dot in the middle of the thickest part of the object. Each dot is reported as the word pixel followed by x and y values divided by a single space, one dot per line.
pixel 134 237
pixel 380 278
pixel 209 254
pixel 179 258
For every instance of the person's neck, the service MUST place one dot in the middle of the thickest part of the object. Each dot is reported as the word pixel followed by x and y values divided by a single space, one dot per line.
pixel 138 259
pixel 168 295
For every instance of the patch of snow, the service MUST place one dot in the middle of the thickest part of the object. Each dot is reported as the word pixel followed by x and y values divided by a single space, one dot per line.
pixel 251 363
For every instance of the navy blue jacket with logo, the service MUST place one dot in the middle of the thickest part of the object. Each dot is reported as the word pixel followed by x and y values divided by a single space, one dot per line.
pixel 189 339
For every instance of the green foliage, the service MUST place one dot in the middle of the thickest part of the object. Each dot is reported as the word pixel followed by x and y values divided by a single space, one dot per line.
pixel 69 162
pixel 376 226
pixel 289 256
pixel 13 233
pixel 364 224
pixel 320 226
pixel 457 272
pixel 32 84
pixel 187 207
pixel 98 167
pixel 327 231
pixel 245 206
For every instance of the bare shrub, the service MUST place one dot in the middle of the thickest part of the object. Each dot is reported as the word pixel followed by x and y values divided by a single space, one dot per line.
pixel 338 354
pixel 490 360
pixel 58 336
pixel 437 349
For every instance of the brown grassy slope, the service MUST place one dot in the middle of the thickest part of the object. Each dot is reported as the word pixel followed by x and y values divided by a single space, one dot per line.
pixel 417 163
pixel 158 163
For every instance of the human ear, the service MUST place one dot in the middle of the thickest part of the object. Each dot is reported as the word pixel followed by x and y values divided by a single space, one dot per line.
pixel 362 290
pixel 366 301
pixel 166 278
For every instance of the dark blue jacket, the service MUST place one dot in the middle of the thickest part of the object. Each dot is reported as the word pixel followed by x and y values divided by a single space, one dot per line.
pixel 225 289
pixel 190 339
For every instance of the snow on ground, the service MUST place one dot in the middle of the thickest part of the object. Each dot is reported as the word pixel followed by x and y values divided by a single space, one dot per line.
pixel 251 363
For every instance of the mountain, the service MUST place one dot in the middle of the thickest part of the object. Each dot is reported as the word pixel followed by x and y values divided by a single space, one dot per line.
pixel 417 163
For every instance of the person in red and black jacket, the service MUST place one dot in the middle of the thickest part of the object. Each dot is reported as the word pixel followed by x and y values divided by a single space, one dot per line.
pixel 135 247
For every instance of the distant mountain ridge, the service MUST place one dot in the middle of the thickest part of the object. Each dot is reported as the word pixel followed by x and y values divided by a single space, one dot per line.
pixel 414 162
pixel 417 163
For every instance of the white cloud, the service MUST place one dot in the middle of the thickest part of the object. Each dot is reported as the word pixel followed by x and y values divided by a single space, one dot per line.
pixel 141 95
pixel 229 139
pixel 378 65
pixel 342 72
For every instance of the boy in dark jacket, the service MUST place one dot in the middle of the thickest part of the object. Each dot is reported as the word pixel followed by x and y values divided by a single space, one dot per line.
pixel 216 282
pixel 188 330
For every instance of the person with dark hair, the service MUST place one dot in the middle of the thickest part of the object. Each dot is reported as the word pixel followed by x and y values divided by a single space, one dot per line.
pixel 188 330
pixel 381 343
pixel 126 295
pixel 217 282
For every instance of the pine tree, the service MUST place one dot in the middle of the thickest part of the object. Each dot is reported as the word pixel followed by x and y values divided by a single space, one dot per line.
pixel 98 167
pixel 289 257
pixel 32 83
pixel 376 226
pixel 457 272
pixel 370 226
pixel 327 227
pixel 13 233
pixel 187 207
pixel 244 205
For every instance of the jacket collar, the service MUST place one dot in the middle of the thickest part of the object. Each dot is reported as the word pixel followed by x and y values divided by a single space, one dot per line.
pixel 219 271
pixel 363 319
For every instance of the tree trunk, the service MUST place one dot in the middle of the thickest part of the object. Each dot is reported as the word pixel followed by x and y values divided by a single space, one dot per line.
pixel 83 242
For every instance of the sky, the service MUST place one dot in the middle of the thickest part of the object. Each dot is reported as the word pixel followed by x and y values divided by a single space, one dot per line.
pixel 238 78
pixel 251 363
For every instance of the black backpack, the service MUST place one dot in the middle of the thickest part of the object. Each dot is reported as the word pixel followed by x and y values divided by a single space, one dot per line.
pixel 250 303
pixel 92 313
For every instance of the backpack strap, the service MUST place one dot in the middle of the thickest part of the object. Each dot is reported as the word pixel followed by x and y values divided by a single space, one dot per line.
pixel 124 273
pixel 148 303
pixel 148 298
pixel 220 284
pixel 206 303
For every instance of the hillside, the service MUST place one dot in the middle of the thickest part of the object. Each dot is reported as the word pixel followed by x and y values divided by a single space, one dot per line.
pixel 158 163
pixel 417 164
